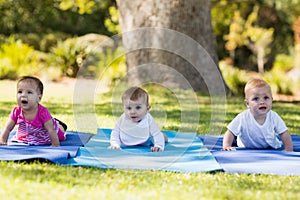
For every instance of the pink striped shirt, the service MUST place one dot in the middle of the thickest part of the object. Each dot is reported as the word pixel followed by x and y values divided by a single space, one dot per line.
pixel 32 132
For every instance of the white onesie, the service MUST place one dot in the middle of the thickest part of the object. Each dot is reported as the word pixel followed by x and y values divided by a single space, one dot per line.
pixel 130 133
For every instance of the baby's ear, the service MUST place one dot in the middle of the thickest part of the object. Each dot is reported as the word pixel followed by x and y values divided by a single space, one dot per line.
pixel 148 108
pixel 246 102
pixel 40 97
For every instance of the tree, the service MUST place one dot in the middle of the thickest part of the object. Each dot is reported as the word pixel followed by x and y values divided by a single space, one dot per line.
pixel 293 9
pixel 256 38
pixel 41 17
pixel 171 42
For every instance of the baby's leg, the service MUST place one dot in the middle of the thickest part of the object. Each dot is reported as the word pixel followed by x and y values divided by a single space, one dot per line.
pixel 62 125
pixel 62 128
pixel 165 137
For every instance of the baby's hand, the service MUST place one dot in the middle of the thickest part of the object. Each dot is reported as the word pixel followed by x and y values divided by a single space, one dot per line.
pixel 155 149
pixel 114 147
pixel 288 150
pixel 229 149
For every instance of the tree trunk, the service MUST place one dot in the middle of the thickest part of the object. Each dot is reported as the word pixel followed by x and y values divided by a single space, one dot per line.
pixel 171 42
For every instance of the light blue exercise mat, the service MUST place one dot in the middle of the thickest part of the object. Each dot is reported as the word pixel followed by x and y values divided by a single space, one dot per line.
pixel 184 152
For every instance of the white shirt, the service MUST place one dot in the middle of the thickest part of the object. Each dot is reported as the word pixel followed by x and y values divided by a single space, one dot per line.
pixel 130 133
pixel 251 134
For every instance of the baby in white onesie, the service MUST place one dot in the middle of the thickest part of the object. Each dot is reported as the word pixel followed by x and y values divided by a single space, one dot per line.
pixel 258 126
pixel 136 126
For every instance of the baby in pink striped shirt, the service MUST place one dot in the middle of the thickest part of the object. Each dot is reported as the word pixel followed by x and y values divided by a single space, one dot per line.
pixel 36 126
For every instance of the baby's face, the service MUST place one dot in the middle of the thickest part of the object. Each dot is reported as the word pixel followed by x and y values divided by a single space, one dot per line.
pixel 259 101
pixel 135 110
pixel 28 96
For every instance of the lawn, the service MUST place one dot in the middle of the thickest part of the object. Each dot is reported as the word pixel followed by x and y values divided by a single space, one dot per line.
pixel 174 110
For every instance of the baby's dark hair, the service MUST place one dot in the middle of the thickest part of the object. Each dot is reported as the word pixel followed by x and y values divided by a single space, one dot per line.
pixel 134 93
pixel 37 81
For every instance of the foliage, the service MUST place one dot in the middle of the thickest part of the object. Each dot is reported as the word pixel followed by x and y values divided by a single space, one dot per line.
pixel 41 42
pixel 278 77
pixel 83 6
pixel 112 23
pixel 68 55
pixel 280 84
pixel 245 32
pixel 284 63
pixel 42 17
pixel 271 14
pixel 223 13
pixel 43 24
pixel 18 59
pixel 50 40
pixel 234 77
pixel 112 65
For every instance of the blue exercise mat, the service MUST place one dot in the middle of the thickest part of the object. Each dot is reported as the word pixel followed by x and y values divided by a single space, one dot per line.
pixel 183 153
pixel 19 151
pixel 255 161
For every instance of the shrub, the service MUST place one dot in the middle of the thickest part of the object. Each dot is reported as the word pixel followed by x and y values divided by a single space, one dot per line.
pixel 112 65
pixel 68 55
pixel 283 63
pixel 279 83
pixel 234 77
pixel 42 42
pixel 277 77
pixel 50 40
pixel 18 59
pixel 31 39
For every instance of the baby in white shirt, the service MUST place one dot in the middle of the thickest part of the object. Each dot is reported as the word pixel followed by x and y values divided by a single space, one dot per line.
pixel 136 126
pixel 258 126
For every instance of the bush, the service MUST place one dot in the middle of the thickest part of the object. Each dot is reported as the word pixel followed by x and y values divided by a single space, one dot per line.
pixel 94 54
pixel 112 65
pixel 108 66
pixel 283 63
pixel 49 41
pixel 279 83
pixel 68 55
pixel 31 39
pixel 18 59
pixel 42 42
pixel 277 76
pixel 234 77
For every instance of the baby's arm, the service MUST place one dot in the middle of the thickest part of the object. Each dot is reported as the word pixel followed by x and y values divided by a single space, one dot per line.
pixel 227 141
pixel 159 142
pixel 49 126
pixel 158 137
pixel 10 124
pixel 114 140
pixel 287 141
pixel 115 137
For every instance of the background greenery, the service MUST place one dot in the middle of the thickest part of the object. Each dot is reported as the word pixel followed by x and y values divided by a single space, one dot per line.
pixel 40 38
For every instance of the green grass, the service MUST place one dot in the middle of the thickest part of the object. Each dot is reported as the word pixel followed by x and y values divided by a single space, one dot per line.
pixel 174 110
